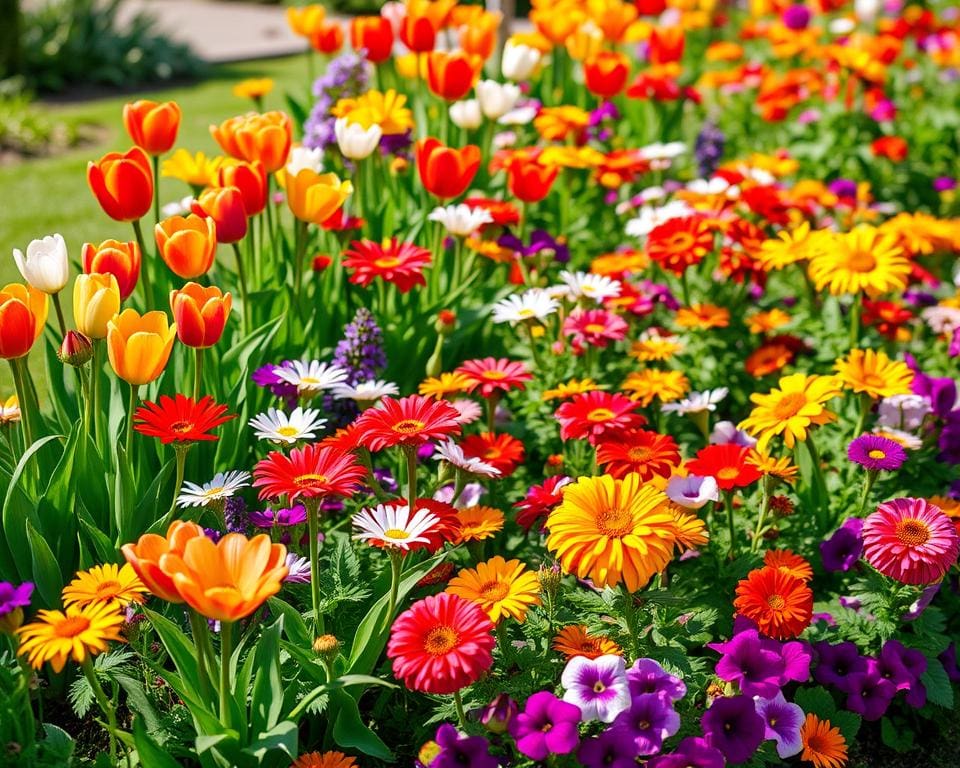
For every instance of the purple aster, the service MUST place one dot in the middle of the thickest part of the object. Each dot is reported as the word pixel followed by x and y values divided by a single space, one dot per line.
pixel 904 667
pixel 646 676
pixel 458 750
pixel 783 720
pixel 842 550
pixel 298 569
pixel 733 726
pixel 597 686
pixel 547 726
pixel 496 716
pixel 269 518
pixel 944 184
pixel 746 662
pixel 869 694
pixel 265 377
pixel 796 17
pixel 876 453
pixel 12 597
pixel 608 750
pixel 692 752
pixel 836 663
pixel 649 720
pixel 843 188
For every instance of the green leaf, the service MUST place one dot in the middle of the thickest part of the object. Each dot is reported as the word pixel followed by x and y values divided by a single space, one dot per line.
pixel 816 701
pixel 266 699
pixel 283 737
pixel 150 753
pixel 294 627
pixel 897 738
pixel 937 683
pixel 847 722
pixel 182 652
pixel 57 743
pixel 46 570
pixel 80 696
pixel 139 701
pixel 350 731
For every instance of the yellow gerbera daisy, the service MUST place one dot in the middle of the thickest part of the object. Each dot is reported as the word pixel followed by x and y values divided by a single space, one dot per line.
pixel 786 248
pixel 479 523
pixel 769 465
pixel 790 409
pixel 253 88
pixel 570 388
pixel 874 374
pixel 861 260
pixel 77 632
pixel 196 170
pixel 691 530
pixel 108 583
pixel 501 587
pixel 612 531
pixel 765 322
pixel 666 386
pixel 654 347
pixel 386 109
pixel 444 384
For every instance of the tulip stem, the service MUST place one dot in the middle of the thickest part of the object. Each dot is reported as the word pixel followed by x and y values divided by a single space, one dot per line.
pixel 226 651
pixel 60 320
pixel 156 189
pixel 301 248
pixel 313 531
pixel 96 368
pixel 144 265
pixel 198 626
pixel 242 279
pixel 198 370
pixel 128 442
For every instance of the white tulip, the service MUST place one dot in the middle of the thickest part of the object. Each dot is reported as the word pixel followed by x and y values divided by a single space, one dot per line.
pixel 496 99
pixel 45 266
pixel 461 220
pixel 466 114
pixel 355 141
pixel 519 61
pixel 867 10
pixel 304 157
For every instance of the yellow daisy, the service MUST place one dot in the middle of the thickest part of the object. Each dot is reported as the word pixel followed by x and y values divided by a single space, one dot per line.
pixel 770 465
pixel 253 88
pixel 861 260
pixel 655 347
pixel 444 384
pixel 702 317
pixel 874 374
pixel 479 523
pixel 570 388
pixel 666 386
pixel 386 109
pixel 501 587
pixel 196 170
pixel 790 409
pixel 108 583
pixel 77 632
pixel 786 248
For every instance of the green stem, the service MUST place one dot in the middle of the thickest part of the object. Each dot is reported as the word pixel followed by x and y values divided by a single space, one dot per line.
pixel 104 702
pixel 156 189
pixel 201 636
pixel 762 516
pixel 685 288
pixel 301 248
pixel 396 567
pixel 865 404
pixel 128 442
pixel 26 417
pixel 198 371
pixel 411 455
pixel 821 486
pixel 868 480
pixel 180 452
pixel 630 617
pixel 96 369
pixel 491 403
pixel 60 320
pixel 855 320
pixel 458 703
pixel 242 280
pixel 533 347
pixel 504 641
pixel 144 265
pixel 226 651
pixel 728 503
pixel 26 676
pixel 313 529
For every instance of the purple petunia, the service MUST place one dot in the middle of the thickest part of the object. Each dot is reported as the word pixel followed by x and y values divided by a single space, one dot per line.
pixel 876 453
pixel 608 750
pixel 782 724
pixel 647 676
pixel 458 750
pixel 547 726
pixel 842 550
pixel 746 662
pixel 12 597
pixel 869 694
pixel 836 663
pixel 266 377
pixel 904 667
pixel 597 686
pixel 733 726
pixel 649 720
pixel 692 752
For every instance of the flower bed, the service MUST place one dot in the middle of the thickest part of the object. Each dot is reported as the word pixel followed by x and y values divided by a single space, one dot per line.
pixel 601 413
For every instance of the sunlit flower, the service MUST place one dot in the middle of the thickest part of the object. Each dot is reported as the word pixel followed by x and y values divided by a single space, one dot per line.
pixel 311 377
pixel 574 640
pixel 110 583
pixel 179 419
pixel 823 744
pixel 666 386
pixel 861 260
pixel 221 487
pixel 567 389
pixel 388 525
pixel 453 454
pixel 791 409
pixel 448 383
pixel 489 375
pixel 366 392
pixel 597 288
pixel 873 373
pixel 503 588
pixel 409 421
pixel 534 304
pixel 460 220
pixel 478 523
pixel 278 427
pixel 697 402
pixel 79 632
pixel 779 603
pixel 400 264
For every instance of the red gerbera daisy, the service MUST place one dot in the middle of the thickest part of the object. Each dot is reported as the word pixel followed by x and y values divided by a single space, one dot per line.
pixel 345 439
pixel 490 375
pixel 395 262
pixel 541 500
pixel 888 317
pixel 727 464
pixel 596 327
pixel 504 212
pixel 597 413
pixel 503 451
pixel 179 419
pixel 441 644
pixel 780 604
pixel 447 527
pixel 307 472
pixel 638 450
pixel 409 421
pixel 680 243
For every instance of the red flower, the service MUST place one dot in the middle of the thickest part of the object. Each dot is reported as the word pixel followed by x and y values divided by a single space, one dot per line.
pixel 179 419
pixel 541 500
pixel 595 327
pixel 447 527
pixel 727 464
pixel 680 243
pixel 344 439
pixel 891 147
pixel 490 375
pixel 395 262
pixel 444 171
pixel 441 644
pixel 529 181
pixel 888 317
pixel 307 472
pixel 409 421
pixel 597 413
pixel 649 454
pixel 504 212
pixel 504 452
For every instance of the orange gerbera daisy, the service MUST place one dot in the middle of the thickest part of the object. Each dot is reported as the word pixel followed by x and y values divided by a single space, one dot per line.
pixel 823 744
pixel 641 451
pixel 767 359
pixel 324 760
pixel 449 383
pixel 779 603
pixel 702 317
pixel 479 523
pixel 680 243
pixel 787 561
pixel 574 640
pixel 504 452
pixel 765 322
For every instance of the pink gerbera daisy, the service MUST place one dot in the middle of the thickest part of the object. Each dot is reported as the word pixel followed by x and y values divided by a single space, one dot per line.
pixel 491 375
pixel 596 327
pixel 597 413
pixel 910 540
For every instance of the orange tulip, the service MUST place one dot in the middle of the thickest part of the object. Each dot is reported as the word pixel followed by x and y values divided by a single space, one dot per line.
pixel 187 244
pixel 139 346
pixel 328 39
pixel 225 206
pixel 556 25
pixel 306 20
pixel 374 35
pixel 229 580
pixel 666 45
pixel 444 171
pixel 479 37
pixel 145 556
pixel 613 17
pixel 200 314
pixel 250 179
pixel 152 126
pixel 452 75
pixel 122 260
pixel 315 197
pixel 23 313
pixel 606 73
pixel 122 184
pixel 529 181
pixel 253 137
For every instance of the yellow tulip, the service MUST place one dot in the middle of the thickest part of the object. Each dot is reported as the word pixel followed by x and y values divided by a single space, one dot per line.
pixel 96 299
pixel 139 346
pixel 315 197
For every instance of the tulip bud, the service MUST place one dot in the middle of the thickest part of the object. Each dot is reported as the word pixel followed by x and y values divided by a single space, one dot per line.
pixel 466 114
pixel 496 99
pixel 96 299
pixel 250 179
pixel 188 244
pixel 496 716
pixel 355 141
pixel 45 266
pixel 152 126
pixel 76 349
pixel 519 61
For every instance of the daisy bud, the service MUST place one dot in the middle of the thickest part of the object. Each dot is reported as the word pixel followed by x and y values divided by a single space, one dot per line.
pixel 446 322
pixel 326 646
pixel 76 349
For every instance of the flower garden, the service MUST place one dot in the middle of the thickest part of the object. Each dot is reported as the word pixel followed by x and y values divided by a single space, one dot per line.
pixel 582 392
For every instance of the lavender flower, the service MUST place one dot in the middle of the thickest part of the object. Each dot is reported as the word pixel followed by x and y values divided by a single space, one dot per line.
pixel 726 432
pixel 361 354
pixel 597 686
pixel 346 75
pixel 782 721
pixel 708 148
pixel 876 453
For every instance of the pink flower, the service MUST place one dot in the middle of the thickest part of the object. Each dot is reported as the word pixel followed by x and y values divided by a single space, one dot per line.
pixel 595 327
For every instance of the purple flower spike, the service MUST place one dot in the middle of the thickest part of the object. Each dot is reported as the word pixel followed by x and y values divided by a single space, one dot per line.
pixel 733 726
pixel 648 722
pixel 547 726
pixel 876 453
pixel 646 676
pixel 783 720
pixel 597 686
pixel 460 751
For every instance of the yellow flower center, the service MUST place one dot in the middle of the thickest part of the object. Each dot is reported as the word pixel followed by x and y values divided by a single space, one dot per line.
pixel 525 312
pixel 309 380
pixel 600 414
pixel 441 640
pixel 309 480
pixel 680 241
pixel 494 375
pixel 873 380
pixel 181 427
pixel 776 602
pixel 494 591
pixel 639 453
pixel 789 405
pixel 287 431
pixel 913 533
pixel 877 454
pixel 594 328
pixel 408 426
pixel 395 533
pixel 72 626
pixel 861 261
pixel 615 522
pixel 728 473
pixel 213 491
pixel 599 687
pixel 387 262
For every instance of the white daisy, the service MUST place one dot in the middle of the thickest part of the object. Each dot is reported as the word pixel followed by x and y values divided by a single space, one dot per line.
pixel 453 454
pixel 697 402
pixel 393 525
pixel 461 220
pixel 366 391
pixel 534 304
pixel 586 285
pixel 275 425
pixel 649 217
pixel 311 376
pixel 659 151
pixel 715 186
pixel 223 486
